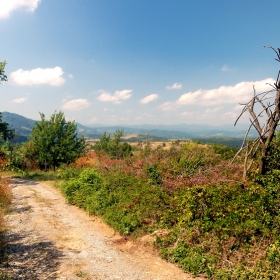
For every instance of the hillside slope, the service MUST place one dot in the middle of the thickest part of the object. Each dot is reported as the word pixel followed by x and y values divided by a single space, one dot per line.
pixel 23 127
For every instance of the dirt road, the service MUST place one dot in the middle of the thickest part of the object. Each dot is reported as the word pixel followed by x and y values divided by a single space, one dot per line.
pixel 49 239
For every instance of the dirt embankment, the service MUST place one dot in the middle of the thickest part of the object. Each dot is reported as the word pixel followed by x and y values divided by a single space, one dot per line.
pixel 49 239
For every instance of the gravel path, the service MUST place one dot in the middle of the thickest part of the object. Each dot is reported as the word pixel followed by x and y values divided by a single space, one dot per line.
pixel 49 239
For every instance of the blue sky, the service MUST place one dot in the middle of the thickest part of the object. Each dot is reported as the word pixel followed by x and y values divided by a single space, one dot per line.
pixel 136 61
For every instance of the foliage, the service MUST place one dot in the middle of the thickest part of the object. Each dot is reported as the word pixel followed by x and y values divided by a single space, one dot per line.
pixel 273 154
pixel 118 198
pixel 56 141
pixel 5 133
pixel 224 151
pixel 232 142
pixel 214 225
pixel 3 76
pixel 113 146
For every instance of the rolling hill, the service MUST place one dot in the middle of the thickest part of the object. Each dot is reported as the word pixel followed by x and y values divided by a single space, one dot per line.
pixel 23 127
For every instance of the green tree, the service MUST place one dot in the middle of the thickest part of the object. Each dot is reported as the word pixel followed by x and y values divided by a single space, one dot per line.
pixel 56 141
pixel 3 77
pixel 5 133
pixel 113 146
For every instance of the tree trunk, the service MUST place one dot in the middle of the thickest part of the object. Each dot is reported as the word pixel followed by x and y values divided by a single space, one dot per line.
pixel 263 164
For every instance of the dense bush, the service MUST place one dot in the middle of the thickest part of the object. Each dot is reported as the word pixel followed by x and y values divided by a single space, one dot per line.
pixel 217 225
pixel 125 202
pixel 113 146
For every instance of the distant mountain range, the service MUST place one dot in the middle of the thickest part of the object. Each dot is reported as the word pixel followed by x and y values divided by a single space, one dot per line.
pixel 23 127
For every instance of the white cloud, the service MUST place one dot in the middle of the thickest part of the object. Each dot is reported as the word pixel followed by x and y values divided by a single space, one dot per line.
pixel 149 98
pixel 168 106
pixel 239 93
pixel 70 76
pixel 38 76
pixel 214 110
pixel 225 68
pixel 76 104
pixel 175 86
pixel 238 107
pixel 231 115
pixel 20 100
pixel 187 114
pixel 116 97
pixel 8 6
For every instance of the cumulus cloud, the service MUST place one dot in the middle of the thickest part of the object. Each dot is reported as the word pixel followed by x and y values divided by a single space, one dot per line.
pixel 175 86
pixel 38 76
pixel 76 104
pixel 239 93
pixel 149 98
pixel 20 100
pixel 8 6
pixel 116 97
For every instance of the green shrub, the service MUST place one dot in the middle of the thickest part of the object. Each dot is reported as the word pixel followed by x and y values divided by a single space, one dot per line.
pixel 214 225
pixel 124 202
pixel 216 222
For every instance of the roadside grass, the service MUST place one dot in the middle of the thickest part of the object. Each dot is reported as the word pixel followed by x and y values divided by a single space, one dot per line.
pixel 37 175
pixel 5 200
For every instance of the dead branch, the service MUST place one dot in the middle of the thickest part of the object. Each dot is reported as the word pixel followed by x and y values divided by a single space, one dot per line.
pixel 267 130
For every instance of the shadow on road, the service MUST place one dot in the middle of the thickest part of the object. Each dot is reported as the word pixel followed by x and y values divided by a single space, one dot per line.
pixel 18 181
pixel 37 260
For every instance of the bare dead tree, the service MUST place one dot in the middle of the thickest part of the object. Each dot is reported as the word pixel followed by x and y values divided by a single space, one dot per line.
pixel 266 130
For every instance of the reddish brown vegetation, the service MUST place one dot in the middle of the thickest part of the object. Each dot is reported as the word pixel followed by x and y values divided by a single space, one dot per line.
pixel 168 164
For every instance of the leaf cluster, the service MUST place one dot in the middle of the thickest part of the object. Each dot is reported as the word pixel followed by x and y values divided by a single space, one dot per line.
pixel 113 146
pixel 3 76
pixel 5 133
pixel 56 141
